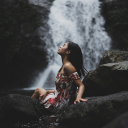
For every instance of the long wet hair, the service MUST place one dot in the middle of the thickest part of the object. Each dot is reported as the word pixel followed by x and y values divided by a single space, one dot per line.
pixel 76 58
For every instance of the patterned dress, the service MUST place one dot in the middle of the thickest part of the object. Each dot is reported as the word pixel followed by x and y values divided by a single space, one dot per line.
pixel 65 93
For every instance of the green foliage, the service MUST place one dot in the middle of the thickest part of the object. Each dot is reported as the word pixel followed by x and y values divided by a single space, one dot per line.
pixel 11 19
pixel 117 25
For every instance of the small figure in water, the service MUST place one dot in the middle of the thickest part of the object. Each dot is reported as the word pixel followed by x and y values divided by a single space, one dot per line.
pixel 67 80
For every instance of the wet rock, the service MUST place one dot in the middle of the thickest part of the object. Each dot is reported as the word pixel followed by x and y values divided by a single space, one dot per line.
pixel 16 107
pixel 27 30
pixel 112 56
pixel 106 79
pixel 96 112
pixel 113 1
pixel 107 4
pixel 9 3
pixel 119 122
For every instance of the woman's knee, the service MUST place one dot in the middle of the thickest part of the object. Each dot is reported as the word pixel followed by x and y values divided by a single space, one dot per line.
pixel 39 90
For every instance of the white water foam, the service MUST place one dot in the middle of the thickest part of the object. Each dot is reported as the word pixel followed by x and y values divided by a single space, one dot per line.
pixel 46 78
pixel 79 21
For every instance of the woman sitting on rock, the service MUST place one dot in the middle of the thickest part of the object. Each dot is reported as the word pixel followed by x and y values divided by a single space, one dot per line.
pixel 67 80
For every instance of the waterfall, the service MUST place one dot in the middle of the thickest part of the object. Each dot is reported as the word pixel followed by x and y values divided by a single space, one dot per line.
pixel 79 21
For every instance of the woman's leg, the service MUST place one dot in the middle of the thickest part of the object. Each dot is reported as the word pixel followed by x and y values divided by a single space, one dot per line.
pixel 39 92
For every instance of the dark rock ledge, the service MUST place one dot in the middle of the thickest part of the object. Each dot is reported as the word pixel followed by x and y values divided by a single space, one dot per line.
pixel 96 112
pixel 119 122
pixel 19 108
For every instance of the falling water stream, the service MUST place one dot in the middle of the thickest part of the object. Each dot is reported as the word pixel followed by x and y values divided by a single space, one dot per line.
pixel 79 21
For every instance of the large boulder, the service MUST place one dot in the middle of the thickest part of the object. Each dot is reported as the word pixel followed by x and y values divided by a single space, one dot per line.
pixel 119 122
pixel 113 56
pixel 107 79
pixel 16 107
pixel 96 112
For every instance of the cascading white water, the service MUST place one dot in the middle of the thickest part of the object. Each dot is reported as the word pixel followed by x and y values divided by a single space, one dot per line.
pixel 79 21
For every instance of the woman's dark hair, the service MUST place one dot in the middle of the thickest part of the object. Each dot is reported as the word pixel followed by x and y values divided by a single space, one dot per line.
pixel 76 58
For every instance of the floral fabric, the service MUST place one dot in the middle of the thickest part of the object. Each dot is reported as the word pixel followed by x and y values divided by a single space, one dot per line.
pixel 64 94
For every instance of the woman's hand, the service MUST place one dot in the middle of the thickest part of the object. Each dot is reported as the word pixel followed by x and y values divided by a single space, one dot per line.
pixel 78 100
pixel 43 95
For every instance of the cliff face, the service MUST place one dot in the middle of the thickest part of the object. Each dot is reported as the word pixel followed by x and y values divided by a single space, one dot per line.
pixel 23 53
pixel 115 14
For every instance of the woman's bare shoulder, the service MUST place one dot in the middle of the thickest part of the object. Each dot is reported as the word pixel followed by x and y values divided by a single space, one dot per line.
pixel 69 68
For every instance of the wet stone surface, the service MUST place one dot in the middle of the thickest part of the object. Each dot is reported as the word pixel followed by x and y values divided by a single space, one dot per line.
pixel 46 121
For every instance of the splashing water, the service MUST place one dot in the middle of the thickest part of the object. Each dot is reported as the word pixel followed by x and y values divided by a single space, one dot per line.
pixel 79 21
pixel 46 79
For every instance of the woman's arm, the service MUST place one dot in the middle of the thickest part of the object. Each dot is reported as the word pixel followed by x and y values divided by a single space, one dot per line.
pixel 69 69
pixel 43 95
pixel 80 91
pixel 50 91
